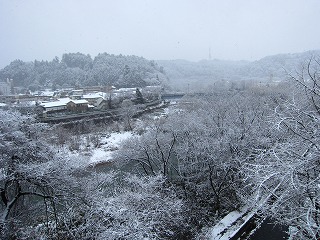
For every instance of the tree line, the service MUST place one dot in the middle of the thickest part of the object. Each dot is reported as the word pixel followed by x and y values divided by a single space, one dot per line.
pixel 77 70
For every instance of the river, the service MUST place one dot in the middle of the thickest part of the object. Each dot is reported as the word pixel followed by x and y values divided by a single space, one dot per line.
pixel 270 231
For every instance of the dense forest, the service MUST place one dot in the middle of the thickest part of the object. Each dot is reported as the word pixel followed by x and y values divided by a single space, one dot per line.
pixel 77 69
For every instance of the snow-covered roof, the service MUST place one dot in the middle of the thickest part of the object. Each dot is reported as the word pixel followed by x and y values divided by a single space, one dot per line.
pixel 94 95
pixel 125 90
pixel 28 103
pixel 3 104
pixel 47 93
pixel 153 87
pixel 62 102
pixel 81 101
pixel 58 103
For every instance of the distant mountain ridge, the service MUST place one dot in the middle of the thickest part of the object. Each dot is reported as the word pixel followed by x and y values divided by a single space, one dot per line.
pixel 269 68
pixel 77 69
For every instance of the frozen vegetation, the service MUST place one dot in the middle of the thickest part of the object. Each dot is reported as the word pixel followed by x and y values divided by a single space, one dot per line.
pixel 77 70
pixel 207 74
pixel 172 174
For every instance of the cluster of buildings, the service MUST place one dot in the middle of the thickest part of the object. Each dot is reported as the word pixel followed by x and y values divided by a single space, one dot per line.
pixel 80 100
pixel 74 100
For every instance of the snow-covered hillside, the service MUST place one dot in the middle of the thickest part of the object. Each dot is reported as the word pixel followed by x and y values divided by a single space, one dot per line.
pixel 205 72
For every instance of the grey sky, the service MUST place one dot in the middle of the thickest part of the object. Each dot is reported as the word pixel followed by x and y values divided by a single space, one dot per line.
pixel 157 29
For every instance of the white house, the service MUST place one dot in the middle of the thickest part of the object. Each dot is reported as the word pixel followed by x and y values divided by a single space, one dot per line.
pixel 94 98
pixel 5 87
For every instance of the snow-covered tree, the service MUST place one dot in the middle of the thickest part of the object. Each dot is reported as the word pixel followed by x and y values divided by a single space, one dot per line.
pixel 201 149
pixel 136 208
pixel 33 177
pixel 45 196
pixel 151 152
pixel 287 176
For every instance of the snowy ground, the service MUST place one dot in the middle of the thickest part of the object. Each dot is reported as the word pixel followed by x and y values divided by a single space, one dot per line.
pixel 230 224
pixel 88 155
pixel 91 156
pixel 109 144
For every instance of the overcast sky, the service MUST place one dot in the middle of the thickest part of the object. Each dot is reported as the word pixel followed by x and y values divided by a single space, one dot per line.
pixel 157 29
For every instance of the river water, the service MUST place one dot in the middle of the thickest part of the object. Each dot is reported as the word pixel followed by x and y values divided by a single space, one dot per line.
pixel 270 231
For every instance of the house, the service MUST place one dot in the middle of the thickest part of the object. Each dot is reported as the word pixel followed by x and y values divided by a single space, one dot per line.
pixel 77 106
pixel 76 94
pixel 93 98
pixel 103 104
pixel 55 106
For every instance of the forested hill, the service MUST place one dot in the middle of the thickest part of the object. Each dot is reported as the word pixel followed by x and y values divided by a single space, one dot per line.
pixel 274 68
pixel 77 69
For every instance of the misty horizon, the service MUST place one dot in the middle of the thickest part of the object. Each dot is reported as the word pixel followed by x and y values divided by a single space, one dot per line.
pixel 157 30
pixel 312 51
